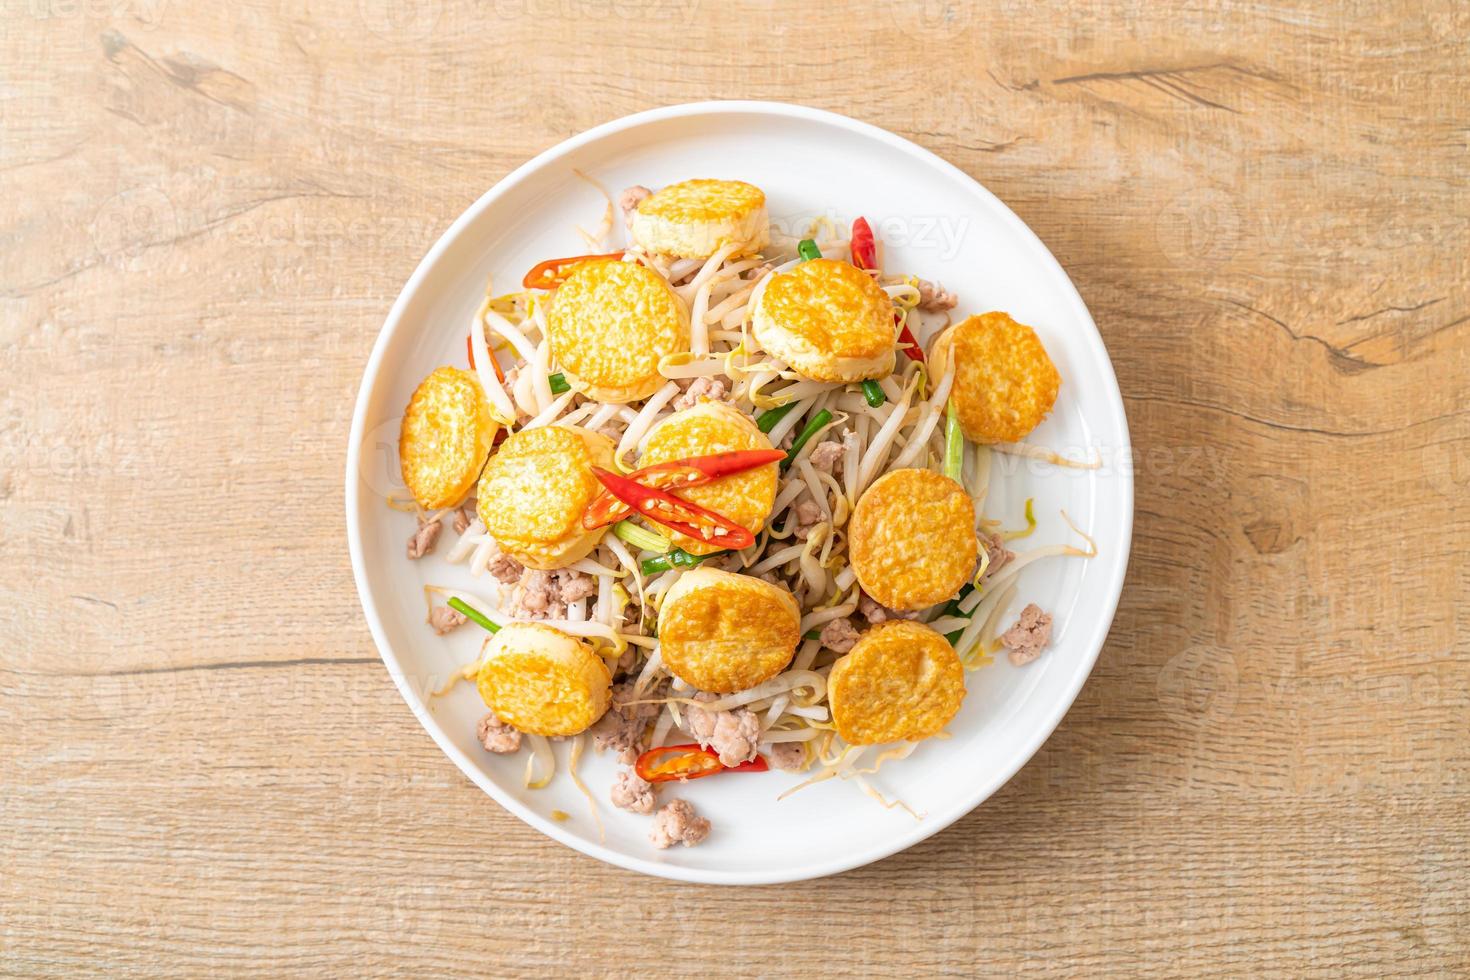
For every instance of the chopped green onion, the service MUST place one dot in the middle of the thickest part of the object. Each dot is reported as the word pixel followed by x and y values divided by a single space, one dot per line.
pixel 808 250
pixel 954 443
pixel 811 635
pixel 641 538
pixel 873 392
pixel 678 558
pixel 472 614
pixel 953 609
pixel 559 384
pixel 766 421
pixel 810 429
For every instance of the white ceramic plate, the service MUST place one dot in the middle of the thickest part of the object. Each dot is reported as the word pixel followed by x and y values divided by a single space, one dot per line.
pixel 935 222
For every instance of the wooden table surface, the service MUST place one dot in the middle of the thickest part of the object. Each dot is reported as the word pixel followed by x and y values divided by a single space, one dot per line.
pixel 206 211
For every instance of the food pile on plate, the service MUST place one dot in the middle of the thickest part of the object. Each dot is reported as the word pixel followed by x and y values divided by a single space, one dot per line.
pixel 726 496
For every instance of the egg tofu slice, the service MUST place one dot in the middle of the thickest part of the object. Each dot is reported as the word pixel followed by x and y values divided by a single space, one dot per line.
pixel 901 680
pixel 715 427
pixel 444 438
pixel 609 323
pixel 1004 384
pixel 911 540
pixel 540 680
pixel 723 632
pixel 828 320
pixel 535 489
pixel 694 219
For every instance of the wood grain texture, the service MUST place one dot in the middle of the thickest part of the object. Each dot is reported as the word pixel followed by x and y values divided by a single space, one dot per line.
pixel 205 212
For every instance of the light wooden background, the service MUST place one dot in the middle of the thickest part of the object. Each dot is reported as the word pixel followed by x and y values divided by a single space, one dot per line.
pixel 205 212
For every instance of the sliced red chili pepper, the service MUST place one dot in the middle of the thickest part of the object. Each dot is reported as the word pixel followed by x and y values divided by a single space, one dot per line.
pixel 675 513
pixel 694 470
pixel 677 473
pixel 906 336
pixel 469 346
pixel 605 509
pixel 669 762
pixel 553 272
pixel 864 249
pixel 690 472
pixel 865 256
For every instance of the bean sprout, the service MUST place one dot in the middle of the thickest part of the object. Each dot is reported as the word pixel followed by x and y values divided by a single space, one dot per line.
pixel 590 567
pixel 788 681
pixel 685 366
pixel 552 411
pixel 1046 455
pixel 796 735
pixel 500 402
pixel 878 448
pixel 930 413
pixel 541 757
pixel 575 756
pixel 644 420
pixel 513 334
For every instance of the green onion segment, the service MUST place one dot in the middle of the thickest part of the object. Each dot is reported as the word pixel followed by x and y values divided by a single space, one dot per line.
pixel 472 614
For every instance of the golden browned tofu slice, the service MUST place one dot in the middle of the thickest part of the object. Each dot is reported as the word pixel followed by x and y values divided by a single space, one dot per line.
pixel 610 323
pixel 445 436
pixel 714 427
pixel 540 680
pixel 535 490
pixel 1004 384
pixel 902 680
pixel 912 539
pixel 828 320
pixel 724 632
pixel 694 219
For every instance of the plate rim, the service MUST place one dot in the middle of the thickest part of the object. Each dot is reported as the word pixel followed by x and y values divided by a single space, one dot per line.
pixel 1097 636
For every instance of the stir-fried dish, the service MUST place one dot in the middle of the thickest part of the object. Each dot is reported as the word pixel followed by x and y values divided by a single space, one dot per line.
pixel 726 495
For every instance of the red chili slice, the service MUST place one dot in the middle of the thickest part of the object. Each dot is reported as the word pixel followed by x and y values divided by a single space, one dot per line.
pixel 864 248
pixel 706 468
pixel 669 762
pixel 553 272
pixel 865 256
pixel 675 513
pixel 906 336
pixel 677 473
